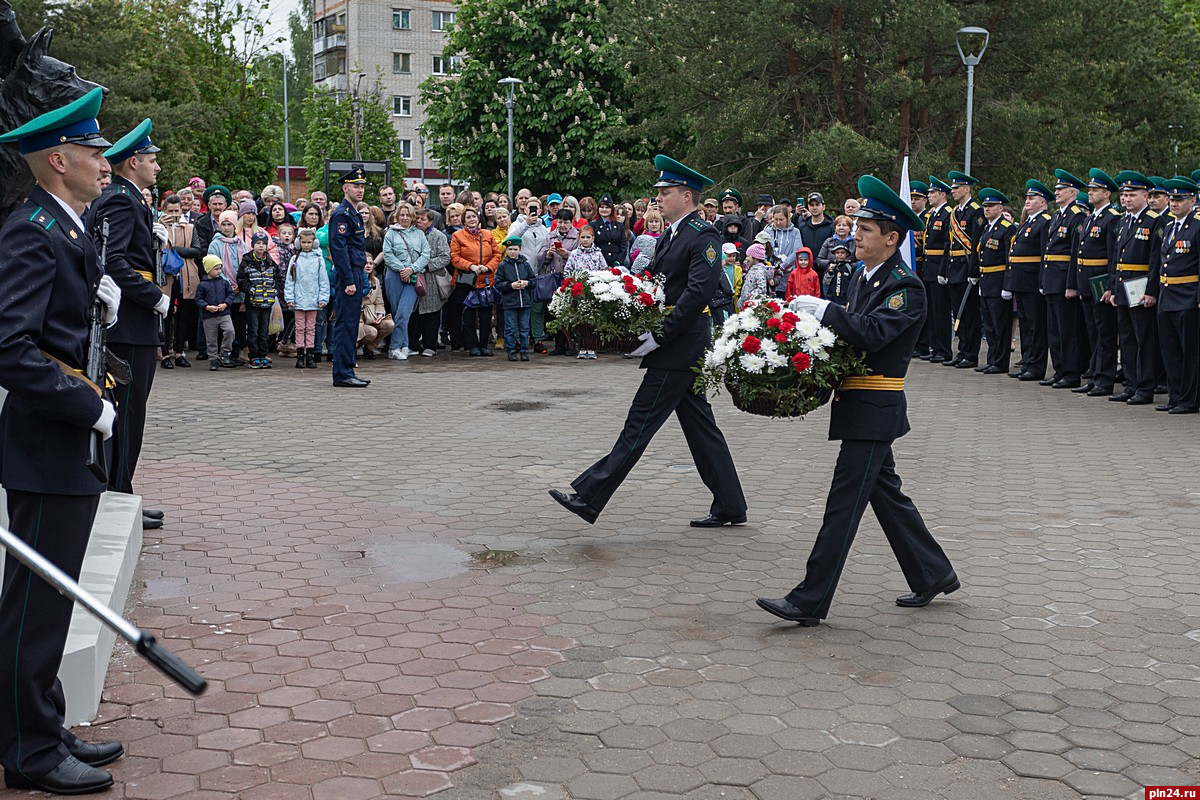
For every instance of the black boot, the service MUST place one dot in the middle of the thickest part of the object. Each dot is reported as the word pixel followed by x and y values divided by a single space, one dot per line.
pixel 309 358
pixel 300 358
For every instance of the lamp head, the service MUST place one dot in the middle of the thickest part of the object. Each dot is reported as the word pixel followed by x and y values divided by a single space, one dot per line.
pixel 971 42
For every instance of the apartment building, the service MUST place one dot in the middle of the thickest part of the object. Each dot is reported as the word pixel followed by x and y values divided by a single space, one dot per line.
pixel 405 39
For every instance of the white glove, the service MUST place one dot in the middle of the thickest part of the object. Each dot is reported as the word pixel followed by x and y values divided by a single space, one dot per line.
pixel 108 415
pixel 162 306
pixel 1005 294
pixel 813 305
pixel 110 295
pixel 649 345
pixel 943 280
pixel 160 233
pixel 973 281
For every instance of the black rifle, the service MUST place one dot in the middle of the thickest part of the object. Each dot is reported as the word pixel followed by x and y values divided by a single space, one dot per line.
pixel 95 367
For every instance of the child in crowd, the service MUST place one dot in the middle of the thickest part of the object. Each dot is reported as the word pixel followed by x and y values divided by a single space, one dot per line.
pixel 755 273
pixel 842 235
pixel 643 245
pixel 256 282
pixel 804 280
pixel 284 243
pixel 586 258
pixel 230 248
pixel 836 281
pixel 214 296
pixel 515 278
pixel 306 291
pixel 731 262
pixel 721 306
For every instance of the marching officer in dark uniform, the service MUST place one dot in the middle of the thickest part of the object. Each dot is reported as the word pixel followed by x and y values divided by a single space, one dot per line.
pixel 1021 281
pixel 49 279
pixel 1178 297
pixel 1066 333
pixel 348 252
pixel 135 338
pixel 918 194
pixel 992 255
pixel 688 256
pixel 1095 252
pixel 938 326
pixel 1139 248
pixel 887 303
pixel 961 269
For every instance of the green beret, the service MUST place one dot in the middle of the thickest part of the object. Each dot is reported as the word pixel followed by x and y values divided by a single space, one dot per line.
pixel 513 241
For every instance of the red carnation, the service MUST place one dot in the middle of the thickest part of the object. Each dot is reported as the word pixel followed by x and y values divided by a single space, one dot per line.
pixel 773 322
pixel 781 338
pixel 645 299
pixel 576 289
pixel 788 316
pixel 566 282
pixel 801 362
pixel 786 327
pixel 752 344
pixel 775 307
pixel 616 271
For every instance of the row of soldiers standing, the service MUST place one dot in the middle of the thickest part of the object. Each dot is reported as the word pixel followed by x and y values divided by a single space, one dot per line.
pixel 1089 282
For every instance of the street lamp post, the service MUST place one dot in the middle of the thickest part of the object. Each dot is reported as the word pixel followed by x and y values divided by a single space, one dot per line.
pixel 287 156
pixel 422 140
pixel 354 109
pixel 970 59
pixel 510 84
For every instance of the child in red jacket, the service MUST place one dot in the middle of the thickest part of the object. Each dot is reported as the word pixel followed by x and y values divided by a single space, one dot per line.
pixel 804 279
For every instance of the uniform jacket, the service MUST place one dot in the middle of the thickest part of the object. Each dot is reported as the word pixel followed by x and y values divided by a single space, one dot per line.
pixel 1139 249
pixel 1095 249
pixel 937 244
pixel 48 279
pixel 1180 257
pixel 992 253
pixel 1025 258
pixel 347 247
pixel 883 319
pixel 966 226
pixel 610 238
pixel 1061 239
pixel 130 250
pixel 306 283
pixel 690 263
pixel 468 248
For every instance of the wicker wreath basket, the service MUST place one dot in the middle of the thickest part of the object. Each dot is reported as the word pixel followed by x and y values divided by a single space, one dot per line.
pixel 769 406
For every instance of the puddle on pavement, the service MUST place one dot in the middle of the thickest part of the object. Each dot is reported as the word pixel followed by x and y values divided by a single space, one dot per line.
pixel 501 558
pixel 416 562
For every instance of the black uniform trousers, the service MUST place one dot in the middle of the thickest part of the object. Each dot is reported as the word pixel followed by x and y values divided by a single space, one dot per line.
pixel 1138 331
pixel 997 329
pixel 866 473
pixel 664 392
pixel 131 400
pixel 1031 317
pixel 1101 321
pixel 939 326
pixel 1179 338
pixel 970 335
pixel 345 333
pixel 1066 336
pixel 34 619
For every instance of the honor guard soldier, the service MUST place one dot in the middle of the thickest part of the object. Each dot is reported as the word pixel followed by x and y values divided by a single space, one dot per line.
pixel 1022 281
pixel 938 327
pixel 1066 333
pixel 995 299
pixel 1139 248
pixel 1160 198
pixel 688 256
pixel 134 243
pixel 1095 253
pixel 918 194
pixel 1178 297
pixel 961 269
pixel 887 303
pixel 347 250
pixel 50 279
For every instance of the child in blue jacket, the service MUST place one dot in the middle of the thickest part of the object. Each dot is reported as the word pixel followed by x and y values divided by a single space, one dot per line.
pixel 515 278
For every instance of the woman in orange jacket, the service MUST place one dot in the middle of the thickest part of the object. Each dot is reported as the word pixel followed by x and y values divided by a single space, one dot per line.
pixel 473 251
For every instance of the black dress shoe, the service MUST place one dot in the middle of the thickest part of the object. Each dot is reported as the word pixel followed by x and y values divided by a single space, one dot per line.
pixel 1100 391
pixel 1016 374
pixel 1053 379
pixel 72 776
pixel 1182 410
pixel 950 362
pixel 181 361
pixel 1164 407
pixel 576 505
pixel 785 610
pixel 1140 400
pixel 153 513
pixel 1120 398
pixel 936 360
pixel 1085 388
pixel 1063 383
pixel 150 523
pixel 990 370
pixel 983 368
pixel 713 521
pixel 353 383
pixel 964 364
pixel 168 363
pixel 921 599
pixel 1029 376
pixel 97 754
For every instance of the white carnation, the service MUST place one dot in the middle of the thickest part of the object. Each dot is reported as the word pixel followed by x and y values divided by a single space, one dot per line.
pixel 807 325
pixel 826 337
pixel 776 359
pixel 811 345
pixel 753 363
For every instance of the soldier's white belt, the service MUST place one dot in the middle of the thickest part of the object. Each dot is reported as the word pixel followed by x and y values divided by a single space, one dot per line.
pixel 1178 279
pixel 878 383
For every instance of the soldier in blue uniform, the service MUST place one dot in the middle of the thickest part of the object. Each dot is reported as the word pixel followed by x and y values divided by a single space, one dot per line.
pixel 1066 334
pixel 1139 248
pixel 938 327
pixel 992 254
pixel 1178 297
pixel 960 273
pixel 887 307
pixel 1021 281
pixel 49 280
pixel 348 252
pixel 132 249
pixel 1095 251
pixel 688 256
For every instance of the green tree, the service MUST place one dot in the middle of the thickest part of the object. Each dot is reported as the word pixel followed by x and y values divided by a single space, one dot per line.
pixel 330 134
pixel 571 131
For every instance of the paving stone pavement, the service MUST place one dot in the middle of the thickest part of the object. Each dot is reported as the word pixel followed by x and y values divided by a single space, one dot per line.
pixel 387 604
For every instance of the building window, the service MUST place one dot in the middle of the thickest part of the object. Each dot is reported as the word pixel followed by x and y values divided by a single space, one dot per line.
pixel 444 66
pixel 402 106
pixel 402 63
pixel 443 20
pixel 401 19
pixel 406 148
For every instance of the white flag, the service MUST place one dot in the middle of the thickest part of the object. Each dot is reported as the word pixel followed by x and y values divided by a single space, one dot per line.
pixel 908 250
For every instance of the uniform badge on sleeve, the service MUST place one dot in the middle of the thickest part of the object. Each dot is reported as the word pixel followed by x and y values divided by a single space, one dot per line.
pixel 711 255
pixel 342 227
pixel 897 301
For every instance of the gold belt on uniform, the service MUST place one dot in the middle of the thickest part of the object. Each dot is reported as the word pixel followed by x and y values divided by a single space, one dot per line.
pixel 1057 257
pixel 78 373
pixel 1133 267
pixel 669 309
pixel 878 383
pixel 1092 262
pixel 957 253
pixel 1178 279
pixel 148 276
pixel 1024 259
pixel 935 252
pixel 986 270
